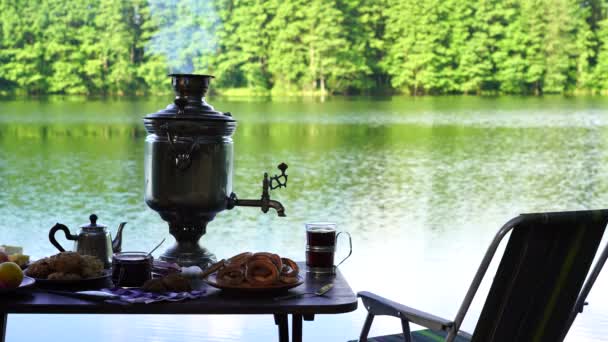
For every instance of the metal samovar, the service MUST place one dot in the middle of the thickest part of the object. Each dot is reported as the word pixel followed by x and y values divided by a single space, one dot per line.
pixel 188 169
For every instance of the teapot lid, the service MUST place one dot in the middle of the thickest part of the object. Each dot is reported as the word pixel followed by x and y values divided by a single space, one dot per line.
pixel 93 225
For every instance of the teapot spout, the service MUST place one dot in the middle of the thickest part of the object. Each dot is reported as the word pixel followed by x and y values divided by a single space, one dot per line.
pixel 117 242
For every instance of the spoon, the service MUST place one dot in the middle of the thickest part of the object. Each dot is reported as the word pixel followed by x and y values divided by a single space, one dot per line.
pixel 321 291
pixel 155 248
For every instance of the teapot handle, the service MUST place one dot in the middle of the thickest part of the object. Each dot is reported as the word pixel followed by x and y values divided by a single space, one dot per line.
pixel 68 236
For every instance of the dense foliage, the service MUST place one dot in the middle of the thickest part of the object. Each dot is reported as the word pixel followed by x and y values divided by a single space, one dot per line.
pixel 296 46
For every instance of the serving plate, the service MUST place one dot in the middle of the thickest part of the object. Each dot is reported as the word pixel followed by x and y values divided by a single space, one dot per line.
pixel 246 287
pixel 89 283
pixel 25 283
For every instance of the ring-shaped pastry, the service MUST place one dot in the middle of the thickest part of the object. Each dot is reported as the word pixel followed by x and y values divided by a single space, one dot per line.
pixel 213 268
pixel 292 265
pixel 289 280
pixel 261 272
pixel 239 259
pixel 230 275
pixel 274 258
pixel 260 257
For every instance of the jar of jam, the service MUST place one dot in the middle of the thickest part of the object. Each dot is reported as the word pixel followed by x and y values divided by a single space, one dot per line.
pixel 131 269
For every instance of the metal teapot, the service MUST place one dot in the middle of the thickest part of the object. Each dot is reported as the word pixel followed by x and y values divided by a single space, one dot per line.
pixel 93 239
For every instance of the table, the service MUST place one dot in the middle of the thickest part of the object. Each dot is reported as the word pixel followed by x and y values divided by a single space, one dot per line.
pixel 340 299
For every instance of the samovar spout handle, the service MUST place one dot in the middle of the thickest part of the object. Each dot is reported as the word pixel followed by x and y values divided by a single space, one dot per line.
pixel 264 203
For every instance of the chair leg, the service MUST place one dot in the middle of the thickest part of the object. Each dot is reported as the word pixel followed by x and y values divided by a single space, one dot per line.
pixel 407 334
pixel 366 326
pixel 281 321
pixel 3 320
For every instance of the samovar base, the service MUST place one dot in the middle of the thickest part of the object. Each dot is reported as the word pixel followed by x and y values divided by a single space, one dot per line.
pixel 186 251
pixel 200 257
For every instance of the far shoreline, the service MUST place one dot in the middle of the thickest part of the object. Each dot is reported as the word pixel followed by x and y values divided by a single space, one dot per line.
pixel 273 94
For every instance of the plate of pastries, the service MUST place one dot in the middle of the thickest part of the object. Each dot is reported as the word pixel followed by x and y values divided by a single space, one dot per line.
pixel 68 268
pixel 254 272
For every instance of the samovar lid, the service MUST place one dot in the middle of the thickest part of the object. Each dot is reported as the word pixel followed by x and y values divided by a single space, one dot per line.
pixel 189 103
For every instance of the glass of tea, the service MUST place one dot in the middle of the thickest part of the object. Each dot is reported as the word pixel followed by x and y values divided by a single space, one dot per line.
pixel 321 238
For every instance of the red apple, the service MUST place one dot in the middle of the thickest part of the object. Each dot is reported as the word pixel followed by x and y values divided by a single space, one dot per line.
pixel 3 257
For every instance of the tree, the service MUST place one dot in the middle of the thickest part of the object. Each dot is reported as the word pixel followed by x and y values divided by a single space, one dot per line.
pixel 245 40
pixel 417 35
pixel 22 64
pixel 116 52
pixel 600 73
pixel 481 28
pixel 336 46
pixel 365 23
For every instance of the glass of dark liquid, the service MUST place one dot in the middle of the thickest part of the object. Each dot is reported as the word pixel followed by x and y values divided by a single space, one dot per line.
pixel 321 238
pixel 131 269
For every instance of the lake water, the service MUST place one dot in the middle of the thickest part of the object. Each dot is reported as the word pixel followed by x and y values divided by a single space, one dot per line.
pixel 422 185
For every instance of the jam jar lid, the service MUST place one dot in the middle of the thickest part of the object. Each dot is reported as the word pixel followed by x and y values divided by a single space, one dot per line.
pixel 131 257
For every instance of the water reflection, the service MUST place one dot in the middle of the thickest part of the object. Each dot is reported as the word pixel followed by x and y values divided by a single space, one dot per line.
pixel 421 184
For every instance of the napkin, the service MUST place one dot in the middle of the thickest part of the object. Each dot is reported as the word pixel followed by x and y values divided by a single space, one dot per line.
pixel 132 296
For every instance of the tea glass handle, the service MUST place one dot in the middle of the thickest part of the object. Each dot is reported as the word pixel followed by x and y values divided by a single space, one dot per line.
pixel 350 247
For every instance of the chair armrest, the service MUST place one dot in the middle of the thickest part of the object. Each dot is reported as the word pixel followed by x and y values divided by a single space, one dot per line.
pixel 377 305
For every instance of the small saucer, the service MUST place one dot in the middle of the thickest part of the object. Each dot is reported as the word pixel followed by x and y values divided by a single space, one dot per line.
pixel 25 283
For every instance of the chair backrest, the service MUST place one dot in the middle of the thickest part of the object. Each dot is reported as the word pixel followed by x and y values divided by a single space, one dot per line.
pixel 541 273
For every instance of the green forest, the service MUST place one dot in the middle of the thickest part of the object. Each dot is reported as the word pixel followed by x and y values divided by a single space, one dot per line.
pixel 430 47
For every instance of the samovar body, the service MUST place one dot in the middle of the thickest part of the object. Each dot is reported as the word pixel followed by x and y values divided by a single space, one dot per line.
pixel 191 193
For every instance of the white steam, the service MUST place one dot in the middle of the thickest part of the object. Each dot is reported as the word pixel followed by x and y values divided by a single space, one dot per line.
pixel 186 33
